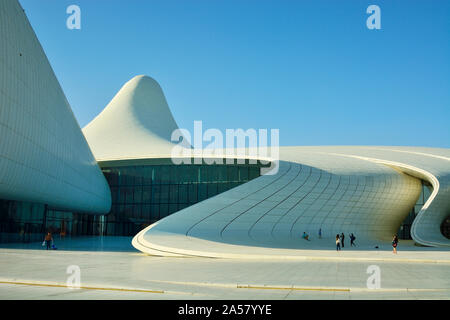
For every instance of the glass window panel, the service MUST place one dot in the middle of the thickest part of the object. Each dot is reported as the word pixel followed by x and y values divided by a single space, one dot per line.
pixel 165 174
pixel 114 194
pixel 193 193
pixel 147 194
pixel 243 173
pixel 222 173
pixel 111 176
pixel 137 194
pixel 173 207
pixel 212 189
pixel 129 194
pixel 212 173
pixel 173 193
pixel 187 173
pixel 123 192
pixel 164 195
pixel 155 211
pixel 202 191
pixel 182 193
pixel 114 209
pixel 163 210
pixel 196 173
pixel 231 185
pixel 222 187
pixel 147 175
pixel 138 173
pixel 254 172
pixel 173 173
pixel 156 191
pixel 146 212
pixel 128 211
pixel 202 174
pixel 232 173
pixel 129 176
pixel 137 209
pixel 157 174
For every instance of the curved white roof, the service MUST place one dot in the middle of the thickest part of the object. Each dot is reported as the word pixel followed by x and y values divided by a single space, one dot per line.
pixel 367 191
pixel 135 124
pixel 360 190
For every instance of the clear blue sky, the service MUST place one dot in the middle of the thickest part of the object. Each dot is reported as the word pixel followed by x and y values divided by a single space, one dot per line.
pixel 309 68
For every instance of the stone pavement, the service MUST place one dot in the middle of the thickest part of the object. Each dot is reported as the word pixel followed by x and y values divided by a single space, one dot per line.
pixel 127 274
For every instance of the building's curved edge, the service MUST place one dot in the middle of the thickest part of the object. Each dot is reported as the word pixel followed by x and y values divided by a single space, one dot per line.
pixel 44 156
pixel 424 175
pixel 140 243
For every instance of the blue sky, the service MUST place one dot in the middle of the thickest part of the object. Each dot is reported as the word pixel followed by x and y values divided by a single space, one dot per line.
pixel 311 69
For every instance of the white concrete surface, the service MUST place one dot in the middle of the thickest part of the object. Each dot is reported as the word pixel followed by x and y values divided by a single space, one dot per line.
pixel 367 191
pixel 44 156
pixel 41 274
pixel 137 121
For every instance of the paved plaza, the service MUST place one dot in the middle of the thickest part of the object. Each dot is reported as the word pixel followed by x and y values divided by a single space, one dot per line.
pixel 110 268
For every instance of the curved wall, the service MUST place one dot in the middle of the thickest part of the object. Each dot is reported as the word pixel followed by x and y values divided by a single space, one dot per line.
pixel 44 156
pixel 363 190
pixel 136 122
pixel 335 193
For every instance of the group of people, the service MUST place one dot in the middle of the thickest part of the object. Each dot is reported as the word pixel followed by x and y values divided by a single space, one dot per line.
pixel 340 240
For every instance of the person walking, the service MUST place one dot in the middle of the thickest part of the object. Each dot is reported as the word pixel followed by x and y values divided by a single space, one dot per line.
pixel 342 239
pixel 320 233
pixel 352 240
pixel 48 240
pixel 338 243
pixel 394 244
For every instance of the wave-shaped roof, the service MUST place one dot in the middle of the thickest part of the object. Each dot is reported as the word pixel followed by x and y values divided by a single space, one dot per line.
pixel 136 123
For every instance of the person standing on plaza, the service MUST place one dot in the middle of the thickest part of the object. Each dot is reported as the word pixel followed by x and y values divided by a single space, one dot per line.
pixel 394 244
pixel 338 243
pixel 320 233
pixel 48 240
pixel 352 240
pixel 342 239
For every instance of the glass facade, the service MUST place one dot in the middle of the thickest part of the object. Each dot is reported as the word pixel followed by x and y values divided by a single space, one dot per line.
pixel 404 232
pixel 445 228
pixel 27 222
pixel 142 193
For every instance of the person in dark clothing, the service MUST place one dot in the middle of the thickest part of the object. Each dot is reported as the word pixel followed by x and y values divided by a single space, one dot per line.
pixel 48 240
pixel 342 239
pixel 394 244
pixel 352 240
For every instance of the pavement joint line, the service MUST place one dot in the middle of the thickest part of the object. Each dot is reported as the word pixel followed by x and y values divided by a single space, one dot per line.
pixel 300 257
pixel 40 284
pixel 292 288
pixel 281 287
pixel 346 289
pixel 81 287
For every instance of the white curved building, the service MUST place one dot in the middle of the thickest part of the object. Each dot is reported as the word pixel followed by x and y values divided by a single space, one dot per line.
pixel 137 122
pixel 44 157
pixel 201 209
pixel 367 191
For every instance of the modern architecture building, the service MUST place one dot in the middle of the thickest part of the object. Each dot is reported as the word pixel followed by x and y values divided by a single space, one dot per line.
pixel 117 177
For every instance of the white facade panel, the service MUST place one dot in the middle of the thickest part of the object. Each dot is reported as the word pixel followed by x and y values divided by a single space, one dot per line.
pixel 44 156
